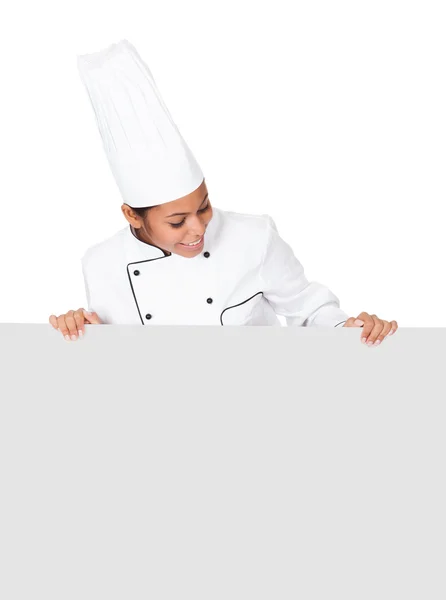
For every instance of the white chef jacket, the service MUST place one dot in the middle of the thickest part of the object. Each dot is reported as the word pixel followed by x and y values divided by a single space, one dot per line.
pixel 246 274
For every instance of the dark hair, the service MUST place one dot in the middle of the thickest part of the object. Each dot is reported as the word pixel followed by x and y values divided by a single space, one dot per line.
pixel 142 212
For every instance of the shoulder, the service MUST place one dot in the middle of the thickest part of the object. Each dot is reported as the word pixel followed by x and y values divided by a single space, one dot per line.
pixel 106 252
pixel 236 223
pixel 246 233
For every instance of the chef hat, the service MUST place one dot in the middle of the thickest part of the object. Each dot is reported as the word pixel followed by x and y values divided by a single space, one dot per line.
pixel 149 159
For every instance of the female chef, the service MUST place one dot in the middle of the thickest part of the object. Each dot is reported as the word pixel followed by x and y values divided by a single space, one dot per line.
pixel 180 261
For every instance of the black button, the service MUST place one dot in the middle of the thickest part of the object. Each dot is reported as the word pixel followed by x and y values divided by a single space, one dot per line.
pixel 209 300
pixel 206 255
pixel 148 317
pixel 135 272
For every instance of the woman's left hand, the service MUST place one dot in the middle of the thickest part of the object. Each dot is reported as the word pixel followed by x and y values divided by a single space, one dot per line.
pixel 375 329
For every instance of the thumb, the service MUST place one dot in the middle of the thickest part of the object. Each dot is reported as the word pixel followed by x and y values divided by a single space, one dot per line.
pixel 91 317
pixel 353 322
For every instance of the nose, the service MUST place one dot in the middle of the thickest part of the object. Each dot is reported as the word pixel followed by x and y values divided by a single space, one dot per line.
pixel 197 227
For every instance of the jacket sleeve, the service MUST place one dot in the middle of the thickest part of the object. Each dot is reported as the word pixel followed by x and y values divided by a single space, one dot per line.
pixel 94 304
pixel 87 289
pixel 287 289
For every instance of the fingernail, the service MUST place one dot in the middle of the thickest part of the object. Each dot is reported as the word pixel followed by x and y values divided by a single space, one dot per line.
pixel 67 337
pixel 74 338
pixel 369 343
pixel 358 322
pixel 81 333
pixel 377 343
pixel 363 340
pixel 390 332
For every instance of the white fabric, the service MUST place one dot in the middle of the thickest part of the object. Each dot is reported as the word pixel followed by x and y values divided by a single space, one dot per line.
pixel 251 275
pixel 149 159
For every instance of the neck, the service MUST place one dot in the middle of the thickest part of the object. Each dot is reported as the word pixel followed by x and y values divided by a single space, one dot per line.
pixel 135 233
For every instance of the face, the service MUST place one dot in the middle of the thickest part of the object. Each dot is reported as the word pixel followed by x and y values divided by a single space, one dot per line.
pixel 174 225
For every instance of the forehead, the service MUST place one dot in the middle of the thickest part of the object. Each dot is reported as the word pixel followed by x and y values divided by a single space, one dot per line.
pixel 189 203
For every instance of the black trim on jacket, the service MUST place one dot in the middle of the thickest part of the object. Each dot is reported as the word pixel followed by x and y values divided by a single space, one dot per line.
pixel 130 280
pixel 239 304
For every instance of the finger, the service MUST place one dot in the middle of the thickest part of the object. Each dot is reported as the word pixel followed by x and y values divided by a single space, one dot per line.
pixel 394 325
pixel 62 326
pixel 353 322
pixel 376 331
pixel 349 322
pixel 91 317
pixel 385 332
pixel 363 316
pixel 71 325
pixel 53 321
pixel 79 320
pixel 369 324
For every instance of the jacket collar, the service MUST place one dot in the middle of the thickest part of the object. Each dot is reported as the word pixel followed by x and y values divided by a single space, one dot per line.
pixel 139 250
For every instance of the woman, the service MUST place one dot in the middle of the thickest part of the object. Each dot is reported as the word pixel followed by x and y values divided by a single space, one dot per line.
pixel 179 261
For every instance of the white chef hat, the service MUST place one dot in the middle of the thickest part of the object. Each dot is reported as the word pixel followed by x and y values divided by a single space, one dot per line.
pixel 149 159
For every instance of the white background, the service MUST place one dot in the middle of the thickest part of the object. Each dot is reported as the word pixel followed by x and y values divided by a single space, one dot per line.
pixel 329 116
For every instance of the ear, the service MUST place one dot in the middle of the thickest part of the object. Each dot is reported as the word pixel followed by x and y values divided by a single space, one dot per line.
pixel 131 217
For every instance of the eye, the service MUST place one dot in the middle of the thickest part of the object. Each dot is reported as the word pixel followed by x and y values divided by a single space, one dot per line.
pixel 181 223
pixel 177 224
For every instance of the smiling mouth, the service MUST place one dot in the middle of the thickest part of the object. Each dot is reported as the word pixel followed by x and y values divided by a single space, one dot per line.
pixel 194 244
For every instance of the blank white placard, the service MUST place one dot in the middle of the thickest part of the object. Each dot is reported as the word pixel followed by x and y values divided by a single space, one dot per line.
pixel 221 462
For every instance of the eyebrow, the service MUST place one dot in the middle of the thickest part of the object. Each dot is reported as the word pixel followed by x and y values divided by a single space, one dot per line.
pixel 181 214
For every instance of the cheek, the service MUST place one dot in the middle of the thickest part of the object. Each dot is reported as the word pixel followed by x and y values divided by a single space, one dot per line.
pixel 207 218
pixel 173 236
pixel 170 236
pixel 165 236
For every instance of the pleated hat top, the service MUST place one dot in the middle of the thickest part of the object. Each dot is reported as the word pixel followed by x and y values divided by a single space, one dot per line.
pixel 149 159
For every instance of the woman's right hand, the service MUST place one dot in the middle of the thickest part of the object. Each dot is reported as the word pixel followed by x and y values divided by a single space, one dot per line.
pixel 71 324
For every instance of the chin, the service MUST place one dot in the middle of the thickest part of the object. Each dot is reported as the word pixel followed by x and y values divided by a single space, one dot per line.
pixel 188 254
